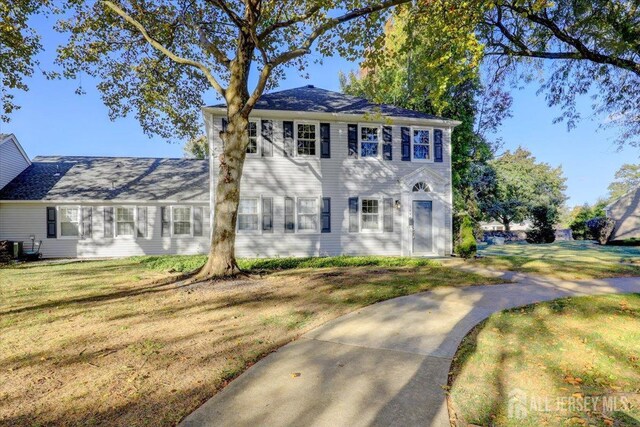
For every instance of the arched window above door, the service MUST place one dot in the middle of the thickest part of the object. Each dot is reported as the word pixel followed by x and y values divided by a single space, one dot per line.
pixel 421 187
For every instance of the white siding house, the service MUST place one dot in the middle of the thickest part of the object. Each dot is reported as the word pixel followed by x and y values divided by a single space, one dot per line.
pixel 13 159
pixel 326 174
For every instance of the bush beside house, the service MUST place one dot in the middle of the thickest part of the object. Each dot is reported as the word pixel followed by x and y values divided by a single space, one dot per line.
pixel 466 246
pixel 600 229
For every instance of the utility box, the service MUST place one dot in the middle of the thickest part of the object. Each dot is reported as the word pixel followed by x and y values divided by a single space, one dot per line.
pixel 17 250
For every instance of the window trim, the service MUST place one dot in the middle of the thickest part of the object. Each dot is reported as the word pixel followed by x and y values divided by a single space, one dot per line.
pixel 318 215
pixel 258 200
pixel 59 221
pixel 431 144
pixel 380 201
pixel 258 153
pixel 295 139
pixel 190 221
pixel 115 222
pixel 369 125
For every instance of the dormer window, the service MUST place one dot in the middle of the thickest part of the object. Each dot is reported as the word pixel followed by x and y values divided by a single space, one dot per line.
pixel 369 141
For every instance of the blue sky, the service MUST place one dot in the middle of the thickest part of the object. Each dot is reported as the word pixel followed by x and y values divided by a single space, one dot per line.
pixel 54 120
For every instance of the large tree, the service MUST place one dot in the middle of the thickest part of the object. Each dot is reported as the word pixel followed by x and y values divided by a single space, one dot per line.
pixel 522 185
pixel 158 58
pixel 626 179
pixel 399 72
pixel 572 47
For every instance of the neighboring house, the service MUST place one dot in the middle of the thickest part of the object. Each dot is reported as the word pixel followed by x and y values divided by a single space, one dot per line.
pixel 13 159
pixel 325 174
pixel 626 213
pixel 498 226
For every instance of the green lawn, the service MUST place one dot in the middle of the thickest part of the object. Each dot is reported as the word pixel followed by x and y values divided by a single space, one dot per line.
pixel 557 360
pixel 118 342
pixel 566 260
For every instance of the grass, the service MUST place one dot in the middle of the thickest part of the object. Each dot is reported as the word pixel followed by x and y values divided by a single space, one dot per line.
pixel 553 357
pixel 119 342
pixel 564 260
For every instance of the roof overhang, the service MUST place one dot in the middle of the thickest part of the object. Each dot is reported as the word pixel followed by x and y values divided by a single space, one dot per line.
pixel 313 115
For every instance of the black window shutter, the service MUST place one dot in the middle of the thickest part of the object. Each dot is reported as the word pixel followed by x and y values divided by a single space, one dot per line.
pixel 406 144
pixel 224 125
pixel 388 214
pixel 387 139
pixel 86 222
pixel 165 229
pixel 352 137
pixel 354 226
pixel 267 214
pixel 326 215
pixel 325 140
pixel 287 134
pixel 267 138
pixel 52 232
pixel 289 215
pixel 108 222
pixel 142 221
pixel 197 221
pixel 437 145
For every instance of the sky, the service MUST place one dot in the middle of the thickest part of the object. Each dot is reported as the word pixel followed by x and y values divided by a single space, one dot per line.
pixel 54 120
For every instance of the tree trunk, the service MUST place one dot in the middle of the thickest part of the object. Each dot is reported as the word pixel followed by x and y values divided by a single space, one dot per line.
pixel 507 224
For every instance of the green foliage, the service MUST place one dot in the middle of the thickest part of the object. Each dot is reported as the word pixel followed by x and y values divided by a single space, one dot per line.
pixel 579 217
pixel 626 242
pixel 197 148
pixel 466 245
pixel 543 219
pixel 600 229
pixel 522 184
pixel 572 47
pixel 626 179
pixel 186 263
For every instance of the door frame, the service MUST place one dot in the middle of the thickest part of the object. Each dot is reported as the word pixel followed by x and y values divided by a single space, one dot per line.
pixel 412 227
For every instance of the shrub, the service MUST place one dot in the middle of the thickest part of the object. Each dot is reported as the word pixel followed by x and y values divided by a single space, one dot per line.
pixel 466 245
pixel 543 219
pixel 600 229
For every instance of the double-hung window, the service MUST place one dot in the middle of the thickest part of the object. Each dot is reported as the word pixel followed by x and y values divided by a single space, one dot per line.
pixel 421 141
pixel 369 141
pixel 307 139
pixel 252 148
pixel 370 215
pixel 181 220
pixel 125 221
pixel 248 217
pixel 308 215
pixel 69 221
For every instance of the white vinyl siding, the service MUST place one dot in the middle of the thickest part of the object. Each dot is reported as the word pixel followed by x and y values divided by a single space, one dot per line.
pixel 12 162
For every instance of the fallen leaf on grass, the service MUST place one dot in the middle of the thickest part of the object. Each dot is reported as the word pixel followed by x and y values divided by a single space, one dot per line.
pixel 295 374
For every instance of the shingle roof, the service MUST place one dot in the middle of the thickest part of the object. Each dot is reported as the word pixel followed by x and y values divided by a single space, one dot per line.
pixel 316 100
pixel 110 178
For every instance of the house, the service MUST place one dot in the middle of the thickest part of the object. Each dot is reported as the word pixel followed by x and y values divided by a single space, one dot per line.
pixel 498 226
pixel 325 174
pixel 625 211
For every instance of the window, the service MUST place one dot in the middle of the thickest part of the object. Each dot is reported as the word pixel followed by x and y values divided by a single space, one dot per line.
pixel 69 222
pixel 421 187
pixel 252 148
pixel 181 221
pixel 370 215
pixel 421 147
pixel 369 140
pixel 248 215
pixel 125 221
pixel 308 215
pixel 307 137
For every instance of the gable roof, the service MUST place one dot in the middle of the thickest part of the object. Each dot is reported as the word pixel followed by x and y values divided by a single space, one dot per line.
pixel 6 137
pixel 77 178
pixel 311 99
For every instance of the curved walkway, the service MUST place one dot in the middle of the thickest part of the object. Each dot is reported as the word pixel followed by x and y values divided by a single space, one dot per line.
pixel 385 364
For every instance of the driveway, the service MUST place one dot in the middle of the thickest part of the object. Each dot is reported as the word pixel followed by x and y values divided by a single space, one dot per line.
pixel 384 365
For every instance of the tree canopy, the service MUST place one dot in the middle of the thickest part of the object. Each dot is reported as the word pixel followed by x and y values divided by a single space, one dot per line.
pixel 626 179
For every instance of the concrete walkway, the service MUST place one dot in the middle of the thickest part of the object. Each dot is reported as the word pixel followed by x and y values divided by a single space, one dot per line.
pixel 383 365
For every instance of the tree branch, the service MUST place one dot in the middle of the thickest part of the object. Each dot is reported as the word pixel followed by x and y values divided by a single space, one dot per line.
pixel 221 4
pixel 158 46
pixel 212 48
pixel 283 24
